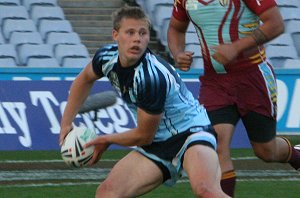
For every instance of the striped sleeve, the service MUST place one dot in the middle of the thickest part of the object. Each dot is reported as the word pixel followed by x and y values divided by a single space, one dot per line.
pixel 151 87
pixel 179 11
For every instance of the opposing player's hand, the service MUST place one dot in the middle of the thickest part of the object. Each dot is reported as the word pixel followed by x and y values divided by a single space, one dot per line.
pixel 63 133
pixel 184 60
pixel 100 147
pixel 224 53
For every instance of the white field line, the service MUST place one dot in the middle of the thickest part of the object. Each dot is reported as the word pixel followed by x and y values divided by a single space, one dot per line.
pixel 102 160
pixel 98 174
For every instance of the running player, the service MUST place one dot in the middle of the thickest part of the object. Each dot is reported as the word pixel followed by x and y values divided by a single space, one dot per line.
pixel 173 132
pixel 238 81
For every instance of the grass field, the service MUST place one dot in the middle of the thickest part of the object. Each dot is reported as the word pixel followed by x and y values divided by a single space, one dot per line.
pixel 42 174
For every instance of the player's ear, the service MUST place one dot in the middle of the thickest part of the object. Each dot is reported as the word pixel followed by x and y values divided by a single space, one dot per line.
pixel 115 34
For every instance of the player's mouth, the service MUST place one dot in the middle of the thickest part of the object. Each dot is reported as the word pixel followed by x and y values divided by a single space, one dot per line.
pixel 135 50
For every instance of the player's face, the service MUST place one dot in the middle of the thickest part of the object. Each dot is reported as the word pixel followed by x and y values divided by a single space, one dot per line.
pixel 132 38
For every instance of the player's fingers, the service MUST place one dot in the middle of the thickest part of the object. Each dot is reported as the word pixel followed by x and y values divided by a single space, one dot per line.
pixel 95 157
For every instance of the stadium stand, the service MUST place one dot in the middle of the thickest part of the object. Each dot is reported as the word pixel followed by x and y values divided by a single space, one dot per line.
pixel 48 26
pixel 20 38
pixel 12 12
pixel 75 62
pixel 29 4
pixel 64 51
pixel 90 21
pixel 43 62
pixel 56 38
pixel 28 51
pixel 8 52
pixel 10 2
pixel 17 25
pixel 39 13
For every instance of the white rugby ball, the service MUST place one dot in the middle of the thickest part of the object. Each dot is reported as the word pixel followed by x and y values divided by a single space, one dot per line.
pixel 73 151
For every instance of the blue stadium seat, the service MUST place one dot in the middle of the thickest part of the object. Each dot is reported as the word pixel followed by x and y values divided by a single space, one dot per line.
pixel 17 25
pixel 39 13
pixel 75 62
pixel 20 38
pixel 283 39
pixel 7 62
pixel 10 2
pixel 56 38
pixel 42 62
pixel 66 51
pixel 28 51
pixel 291 64
pixel 12 12
pixel 1 39
pixel 48 26
pixel 8 51
pixel 278 54
pixel 194 48
pixel 288 3
pixel 29 4
pixel 197 63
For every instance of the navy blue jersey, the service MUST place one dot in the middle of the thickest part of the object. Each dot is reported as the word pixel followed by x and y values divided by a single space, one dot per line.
pixel 153 85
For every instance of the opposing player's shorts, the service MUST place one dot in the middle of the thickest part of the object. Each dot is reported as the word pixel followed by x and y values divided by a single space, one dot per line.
pixel 168 155
pixel 253 90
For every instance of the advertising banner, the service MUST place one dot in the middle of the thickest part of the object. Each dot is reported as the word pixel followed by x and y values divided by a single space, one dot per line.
pixel 30 111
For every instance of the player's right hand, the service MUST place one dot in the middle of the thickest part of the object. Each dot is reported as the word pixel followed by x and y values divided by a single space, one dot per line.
pixel 63 133
pixel 184 60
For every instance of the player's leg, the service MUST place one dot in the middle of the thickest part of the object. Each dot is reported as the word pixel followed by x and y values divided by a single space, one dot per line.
pixel 132 176
pixel 224 121
pixel 262 134
pixel 202 167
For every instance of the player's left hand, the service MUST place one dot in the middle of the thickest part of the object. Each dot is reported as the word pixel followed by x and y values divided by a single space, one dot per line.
pixel 224 53
pixel 100 147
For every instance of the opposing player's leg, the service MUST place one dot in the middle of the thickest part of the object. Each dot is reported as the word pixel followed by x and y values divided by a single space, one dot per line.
pixel 262 134
pixel 205 177
pixel 224 121
pixel 132 176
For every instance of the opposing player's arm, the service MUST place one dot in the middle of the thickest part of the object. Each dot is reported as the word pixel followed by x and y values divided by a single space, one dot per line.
pixel 272 26
pixel 79 91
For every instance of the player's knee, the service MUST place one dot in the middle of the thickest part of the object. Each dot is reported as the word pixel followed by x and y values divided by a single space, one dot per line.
pixel 106 189
pixel 265 155
pixel 202 189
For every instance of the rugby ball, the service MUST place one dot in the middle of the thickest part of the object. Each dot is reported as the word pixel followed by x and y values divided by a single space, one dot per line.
pixel 72 150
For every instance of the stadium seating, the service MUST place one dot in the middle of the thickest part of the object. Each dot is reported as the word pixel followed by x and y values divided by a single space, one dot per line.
pixel 279 54
pixel 75 62
pixel 56 38
pixel 192 47
pixel 1 39
pixel 291 64
pixel 48 26
pixel 8 51
pixel 13 12
pixel 29 4
pixel 7 62
pixel 20 38
pixel 10 2
pixel 42 62
pixel 39 13
pixel 70 51
pixel 17 25
pixel 28 51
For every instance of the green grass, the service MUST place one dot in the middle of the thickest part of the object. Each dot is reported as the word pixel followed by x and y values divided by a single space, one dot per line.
pixel 245 189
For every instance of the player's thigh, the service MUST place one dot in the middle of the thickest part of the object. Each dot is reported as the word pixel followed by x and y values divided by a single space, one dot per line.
pixel 202 166
pixel 134 175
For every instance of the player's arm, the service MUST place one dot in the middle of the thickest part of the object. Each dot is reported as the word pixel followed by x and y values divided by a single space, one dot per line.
pixel 143 134
pixel 79 91
pixel 272 26
pixel 176 43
